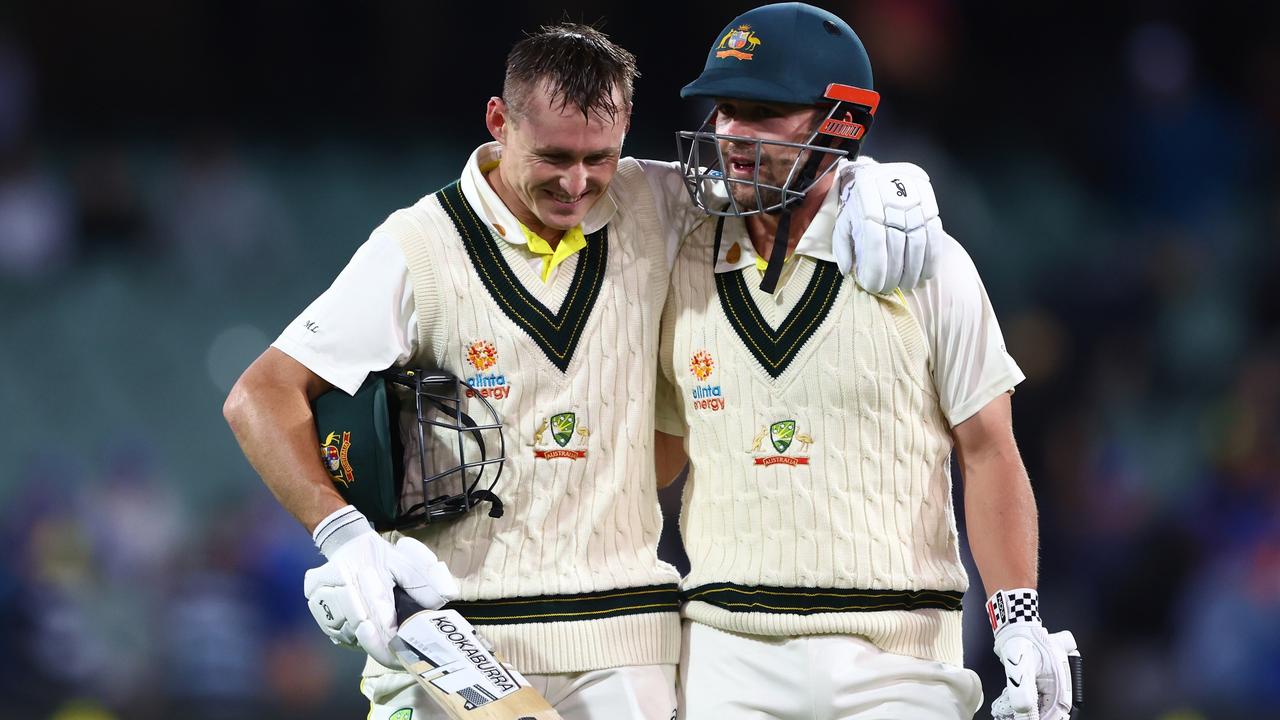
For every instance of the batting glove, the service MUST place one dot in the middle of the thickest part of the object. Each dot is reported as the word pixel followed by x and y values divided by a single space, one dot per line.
pixel 1042 671
pixel 350 596
pixel 888 229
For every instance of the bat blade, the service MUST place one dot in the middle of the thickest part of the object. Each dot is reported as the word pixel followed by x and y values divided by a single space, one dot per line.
pixel 442 652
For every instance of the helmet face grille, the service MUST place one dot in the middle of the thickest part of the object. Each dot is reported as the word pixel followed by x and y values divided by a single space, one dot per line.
pixel 459 444
pixel 706 174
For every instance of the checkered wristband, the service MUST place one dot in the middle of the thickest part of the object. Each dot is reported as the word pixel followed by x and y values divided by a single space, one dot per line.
pixel 1019 605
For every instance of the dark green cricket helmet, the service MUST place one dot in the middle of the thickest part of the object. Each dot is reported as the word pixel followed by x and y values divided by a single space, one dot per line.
pixel 453 468
pixel 791 54
pixel 787 53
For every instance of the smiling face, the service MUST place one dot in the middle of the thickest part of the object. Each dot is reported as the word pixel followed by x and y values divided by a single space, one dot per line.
pixel 761 121
pixel 556 162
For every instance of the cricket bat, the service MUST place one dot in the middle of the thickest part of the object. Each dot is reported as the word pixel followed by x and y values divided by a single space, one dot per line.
pixel 458 671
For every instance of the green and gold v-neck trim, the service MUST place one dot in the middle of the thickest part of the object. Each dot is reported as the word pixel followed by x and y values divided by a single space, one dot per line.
pixel 775 349
pixel 556 333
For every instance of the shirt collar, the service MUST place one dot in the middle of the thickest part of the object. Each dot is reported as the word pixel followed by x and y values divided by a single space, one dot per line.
pixel 477 190
pixel 816 242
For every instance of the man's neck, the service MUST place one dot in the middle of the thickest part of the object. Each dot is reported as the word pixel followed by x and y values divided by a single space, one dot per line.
pixel 520 210
pixel 763 227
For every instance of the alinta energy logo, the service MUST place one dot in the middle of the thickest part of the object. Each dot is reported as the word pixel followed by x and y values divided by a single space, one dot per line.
pixel 790 447
pixel 482 356
pixel 707 396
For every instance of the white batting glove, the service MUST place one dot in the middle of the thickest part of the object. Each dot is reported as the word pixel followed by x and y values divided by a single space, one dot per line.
pixel 1038 677
pixel 351 595
pixel 888 229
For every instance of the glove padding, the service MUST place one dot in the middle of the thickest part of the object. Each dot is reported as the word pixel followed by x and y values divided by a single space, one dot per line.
pixel 1037 674
pixel 350 596
pixel 888 229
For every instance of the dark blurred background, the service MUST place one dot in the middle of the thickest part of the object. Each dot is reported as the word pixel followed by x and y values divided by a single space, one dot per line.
pixel 179 179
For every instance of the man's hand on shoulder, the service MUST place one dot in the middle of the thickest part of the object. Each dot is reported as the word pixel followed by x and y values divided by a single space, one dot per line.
pixel 888 230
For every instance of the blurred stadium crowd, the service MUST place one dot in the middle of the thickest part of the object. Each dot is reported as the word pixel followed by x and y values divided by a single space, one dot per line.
pixel 1113 174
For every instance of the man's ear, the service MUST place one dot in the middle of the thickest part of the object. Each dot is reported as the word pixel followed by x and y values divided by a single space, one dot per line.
pixel 496 117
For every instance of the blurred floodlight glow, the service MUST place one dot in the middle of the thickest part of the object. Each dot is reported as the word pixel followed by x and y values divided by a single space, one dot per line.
pixel 1160 59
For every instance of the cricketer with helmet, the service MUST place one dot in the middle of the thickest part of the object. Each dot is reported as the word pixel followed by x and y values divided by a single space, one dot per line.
pixel 538 277
pixel 825 572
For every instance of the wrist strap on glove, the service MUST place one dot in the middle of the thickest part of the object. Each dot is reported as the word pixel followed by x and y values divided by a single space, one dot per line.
pixel 1019 605
pixel 338 528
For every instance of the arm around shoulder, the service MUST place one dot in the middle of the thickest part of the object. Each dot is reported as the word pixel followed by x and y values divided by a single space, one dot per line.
pixel 676 211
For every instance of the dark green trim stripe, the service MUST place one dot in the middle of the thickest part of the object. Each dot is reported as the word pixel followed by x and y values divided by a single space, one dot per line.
pixel 560 608
pixel 775 349
pixel 556 333
pixel 808 601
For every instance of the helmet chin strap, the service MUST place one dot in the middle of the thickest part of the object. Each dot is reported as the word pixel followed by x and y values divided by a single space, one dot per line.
pixel 778 256
pixel 822 139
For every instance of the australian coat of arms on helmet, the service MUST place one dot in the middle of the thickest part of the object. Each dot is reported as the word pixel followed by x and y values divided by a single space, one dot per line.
pixel 738 43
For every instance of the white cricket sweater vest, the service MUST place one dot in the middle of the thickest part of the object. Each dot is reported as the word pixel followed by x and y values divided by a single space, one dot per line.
pixel 568 579
pixel 819 493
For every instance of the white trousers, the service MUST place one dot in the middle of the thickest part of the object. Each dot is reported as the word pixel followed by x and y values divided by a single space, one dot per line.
pixel 636 692
pixel 728 676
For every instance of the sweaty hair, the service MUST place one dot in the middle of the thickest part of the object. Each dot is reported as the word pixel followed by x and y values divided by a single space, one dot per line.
pixel 580 65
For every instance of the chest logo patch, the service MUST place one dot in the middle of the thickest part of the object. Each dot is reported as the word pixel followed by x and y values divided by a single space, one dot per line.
pixel 483 356
pixel 790 447
pixel 561 435
pixel 706 396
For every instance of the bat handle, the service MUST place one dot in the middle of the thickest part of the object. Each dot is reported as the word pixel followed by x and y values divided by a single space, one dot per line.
pixel 406 607
pixel 1076 666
